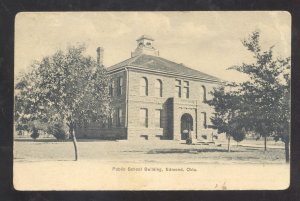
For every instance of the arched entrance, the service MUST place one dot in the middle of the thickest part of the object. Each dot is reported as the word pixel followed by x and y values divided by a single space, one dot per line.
pixel 186 125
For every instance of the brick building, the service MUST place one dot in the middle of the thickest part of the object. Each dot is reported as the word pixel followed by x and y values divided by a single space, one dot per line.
pixel 154 98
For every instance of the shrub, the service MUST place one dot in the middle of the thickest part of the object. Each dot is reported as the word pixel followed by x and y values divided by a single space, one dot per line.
pixel 35 133
pixel 189 141
pixel 57 130
pixel 239 135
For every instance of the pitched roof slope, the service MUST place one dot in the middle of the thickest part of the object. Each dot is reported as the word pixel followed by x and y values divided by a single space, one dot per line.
pixel 149 62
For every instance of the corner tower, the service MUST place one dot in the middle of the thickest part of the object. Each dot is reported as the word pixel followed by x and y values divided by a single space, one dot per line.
pixel 145 46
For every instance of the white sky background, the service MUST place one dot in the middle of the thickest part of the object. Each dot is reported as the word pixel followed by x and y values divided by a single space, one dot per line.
pixel 206 41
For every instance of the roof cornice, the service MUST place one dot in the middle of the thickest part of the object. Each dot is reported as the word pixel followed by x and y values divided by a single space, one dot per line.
pixel 140 69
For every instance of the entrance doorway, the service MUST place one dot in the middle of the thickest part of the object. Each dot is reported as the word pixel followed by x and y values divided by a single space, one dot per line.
pixel 186 125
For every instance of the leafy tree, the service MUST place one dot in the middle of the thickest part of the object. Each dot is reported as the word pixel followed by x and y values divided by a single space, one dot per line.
pixel 227 107
pixel 239 134
pixel 282 112
pixel 260 104
pixel 66 87
pixel 267 93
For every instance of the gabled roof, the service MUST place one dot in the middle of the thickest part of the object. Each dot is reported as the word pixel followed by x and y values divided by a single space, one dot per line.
pixel 149 62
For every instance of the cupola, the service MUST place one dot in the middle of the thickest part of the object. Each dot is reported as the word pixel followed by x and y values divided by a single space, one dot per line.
pixel 145 46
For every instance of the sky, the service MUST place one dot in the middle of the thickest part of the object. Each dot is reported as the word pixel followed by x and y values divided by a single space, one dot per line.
pixel 206 41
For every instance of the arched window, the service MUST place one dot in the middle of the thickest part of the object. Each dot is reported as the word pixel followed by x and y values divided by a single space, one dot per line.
pixel 158 88
pixel 143 86
pixel 203 93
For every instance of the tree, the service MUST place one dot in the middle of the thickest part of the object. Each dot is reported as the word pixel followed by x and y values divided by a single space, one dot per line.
pixel 227 107
pixel 66 87
pixel 263 104
pixel 267 93
pixel 282 114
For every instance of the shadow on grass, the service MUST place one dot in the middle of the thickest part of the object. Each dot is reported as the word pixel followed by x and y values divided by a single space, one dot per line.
pixel 42 160
pixel 55 140
pixel 39 140
pixel 183 151
pixel 96 140
pixel 133 151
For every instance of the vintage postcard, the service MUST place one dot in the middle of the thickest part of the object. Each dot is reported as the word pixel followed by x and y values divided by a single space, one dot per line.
pixel 152 100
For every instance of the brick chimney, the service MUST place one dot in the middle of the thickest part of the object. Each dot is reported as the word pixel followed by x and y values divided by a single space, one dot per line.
pixel 100 52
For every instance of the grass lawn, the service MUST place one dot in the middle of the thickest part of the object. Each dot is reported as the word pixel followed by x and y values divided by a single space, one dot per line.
pixel 50 165
pixel 145 152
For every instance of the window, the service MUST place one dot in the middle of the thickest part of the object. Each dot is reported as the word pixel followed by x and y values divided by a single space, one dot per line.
pixel 203 117
pixel 158 88
pixel 158 118
pixel 119 117
pixel 109 121
pixel 178 88
pixel 144 117
pixel 182 91
pixel 103 123
pixel 111 89
pixel 143 86
pixel 178 91
pixel 203 93
pixel 120 86
pixel 186 90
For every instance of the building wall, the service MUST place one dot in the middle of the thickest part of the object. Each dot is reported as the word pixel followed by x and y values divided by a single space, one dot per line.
pixel 150 102
pixel 172 108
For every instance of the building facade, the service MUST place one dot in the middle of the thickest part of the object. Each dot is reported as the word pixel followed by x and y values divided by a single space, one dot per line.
pixel 155 99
